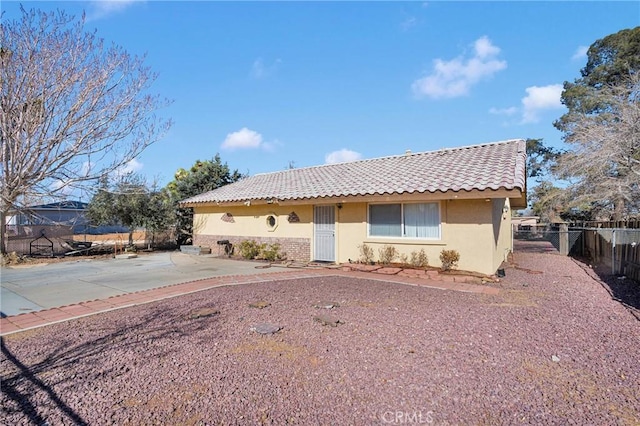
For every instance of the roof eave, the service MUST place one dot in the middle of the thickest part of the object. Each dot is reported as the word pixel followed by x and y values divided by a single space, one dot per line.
pixel 514 194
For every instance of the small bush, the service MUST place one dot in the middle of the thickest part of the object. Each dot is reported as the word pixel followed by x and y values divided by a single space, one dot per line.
pixel 12 258
pixel 387 254
pixel 404 259
pixel 271 252
pixel 419 259
pixel 449 259
pixel 249 249
pixel 366 254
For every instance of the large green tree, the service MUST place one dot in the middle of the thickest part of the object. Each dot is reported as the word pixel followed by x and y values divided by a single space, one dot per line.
pixel 602 164
pixel 72 108
pixel 203 176
pixel 610 61
pixel 541 159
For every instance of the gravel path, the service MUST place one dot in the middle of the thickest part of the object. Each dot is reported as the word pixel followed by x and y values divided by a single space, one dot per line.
pixel 551 348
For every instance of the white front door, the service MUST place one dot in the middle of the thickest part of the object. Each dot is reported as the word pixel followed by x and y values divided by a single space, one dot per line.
pixel 324 227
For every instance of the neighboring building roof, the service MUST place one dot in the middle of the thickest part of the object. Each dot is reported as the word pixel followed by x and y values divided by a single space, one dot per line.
pixel 491 166
pixel 61 205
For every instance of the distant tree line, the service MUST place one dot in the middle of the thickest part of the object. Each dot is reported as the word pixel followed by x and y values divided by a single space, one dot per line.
pixel 131 201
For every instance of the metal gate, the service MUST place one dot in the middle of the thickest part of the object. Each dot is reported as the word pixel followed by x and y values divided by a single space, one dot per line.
pixel 324 233
pixel 545 238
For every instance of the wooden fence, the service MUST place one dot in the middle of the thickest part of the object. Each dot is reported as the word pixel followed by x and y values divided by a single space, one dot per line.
pixel 622 224
pixel 614 247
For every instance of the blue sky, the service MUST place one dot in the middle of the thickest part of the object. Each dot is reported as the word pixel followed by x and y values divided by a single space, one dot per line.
pixel 268 83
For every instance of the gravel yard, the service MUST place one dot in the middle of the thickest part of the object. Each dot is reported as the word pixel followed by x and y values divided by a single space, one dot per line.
pixel 552 348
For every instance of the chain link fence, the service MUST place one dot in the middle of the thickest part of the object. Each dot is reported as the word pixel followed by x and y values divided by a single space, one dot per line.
pixel 39 240
pixel 565 241
pixel 615 248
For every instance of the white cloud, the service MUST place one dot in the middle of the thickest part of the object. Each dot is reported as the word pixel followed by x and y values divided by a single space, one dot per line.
pixel 540 98
pixel 104 8
pixel 455 77
pixel 243 139
pixel 342 156
pixel 61 188
pixel 484 48
pixel 503 111
pixel 132 166
pixel 259 70
pixel 581 53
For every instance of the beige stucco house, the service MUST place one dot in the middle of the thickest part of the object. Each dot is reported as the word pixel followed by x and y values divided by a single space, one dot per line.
pixel 455 199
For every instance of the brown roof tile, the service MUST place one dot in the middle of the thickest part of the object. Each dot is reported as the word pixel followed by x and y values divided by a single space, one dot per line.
pixel 499 165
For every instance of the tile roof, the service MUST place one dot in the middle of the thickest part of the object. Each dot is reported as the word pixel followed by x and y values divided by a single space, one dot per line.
pixel 499 165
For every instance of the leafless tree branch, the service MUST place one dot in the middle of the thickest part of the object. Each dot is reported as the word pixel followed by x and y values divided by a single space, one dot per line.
pixel 71 108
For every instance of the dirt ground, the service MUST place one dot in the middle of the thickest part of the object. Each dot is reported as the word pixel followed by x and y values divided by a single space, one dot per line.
pixel 553 347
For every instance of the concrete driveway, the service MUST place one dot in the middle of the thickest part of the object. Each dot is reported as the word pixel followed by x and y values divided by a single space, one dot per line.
pixel 36 287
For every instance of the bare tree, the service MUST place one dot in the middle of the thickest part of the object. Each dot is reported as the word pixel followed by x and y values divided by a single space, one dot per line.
pixel 603 163
pixel 72 109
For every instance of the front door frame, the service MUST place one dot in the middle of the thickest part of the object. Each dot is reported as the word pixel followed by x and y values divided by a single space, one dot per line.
pixel 324 233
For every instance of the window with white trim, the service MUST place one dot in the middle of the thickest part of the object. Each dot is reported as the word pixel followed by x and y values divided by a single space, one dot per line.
pixel 411 220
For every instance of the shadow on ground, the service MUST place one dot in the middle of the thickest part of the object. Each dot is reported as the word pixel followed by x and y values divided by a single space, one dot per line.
pixel 622 289
pixel 23 389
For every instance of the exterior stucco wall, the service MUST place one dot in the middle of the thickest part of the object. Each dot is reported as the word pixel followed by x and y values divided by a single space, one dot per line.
pixel 238 223
pixel 251 221
pixel 478 229
pixel 468 229
pixel 504 240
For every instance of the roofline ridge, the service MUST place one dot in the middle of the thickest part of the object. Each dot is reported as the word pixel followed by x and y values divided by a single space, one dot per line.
pixel 411 154
pixel 478 145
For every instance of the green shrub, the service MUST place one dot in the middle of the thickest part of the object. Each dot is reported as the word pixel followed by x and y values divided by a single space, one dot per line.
pixel 271 252
pixel 366 254
pixel 419 259
pixel 387 254
pixel 249 249
pixel 449 259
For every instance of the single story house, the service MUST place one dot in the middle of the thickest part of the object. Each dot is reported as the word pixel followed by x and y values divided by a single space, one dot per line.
pixel 451 199
pixel 525 222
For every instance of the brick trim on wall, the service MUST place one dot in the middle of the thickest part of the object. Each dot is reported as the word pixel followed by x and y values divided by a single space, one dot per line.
pixel 295 248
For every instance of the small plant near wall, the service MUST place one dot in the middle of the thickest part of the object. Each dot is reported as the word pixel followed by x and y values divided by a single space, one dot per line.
pixel 271 252
pixel 387 254
pixel 366 254
pixel 404 259
pixel 419 259
pixel 249 249
pixel 449 259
